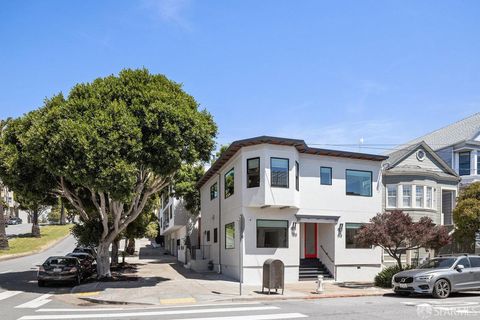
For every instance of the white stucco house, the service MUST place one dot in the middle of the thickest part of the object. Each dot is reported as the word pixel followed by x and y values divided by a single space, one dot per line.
pixel 299 204
pixel 176 223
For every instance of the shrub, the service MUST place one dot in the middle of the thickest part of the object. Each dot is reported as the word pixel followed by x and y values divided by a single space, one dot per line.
pixel 384 278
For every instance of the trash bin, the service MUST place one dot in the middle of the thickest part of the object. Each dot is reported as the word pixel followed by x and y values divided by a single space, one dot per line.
pixel 273 275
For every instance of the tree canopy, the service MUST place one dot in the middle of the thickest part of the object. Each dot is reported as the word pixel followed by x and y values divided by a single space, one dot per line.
pixel 467 213
pixel 396 232
pixel 111 145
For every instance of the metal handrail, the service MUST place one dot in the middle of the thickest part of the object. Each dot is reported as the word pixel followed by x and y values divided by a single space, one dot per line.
pixel 326 253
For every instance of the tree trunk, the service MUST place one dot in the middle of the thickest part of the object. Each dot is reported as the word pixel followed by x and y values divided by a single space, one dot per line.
pixel 115 246
pixel 103 261
pixel 3 233
pixel 35 226
pixel 62 213
pixel 399 261
pixel 131 246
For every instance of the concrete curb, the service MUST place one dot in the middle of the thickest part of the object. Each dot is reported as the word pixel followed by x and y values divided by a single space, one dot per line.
pixel 245 299
pixel 44 248
pixel 101 301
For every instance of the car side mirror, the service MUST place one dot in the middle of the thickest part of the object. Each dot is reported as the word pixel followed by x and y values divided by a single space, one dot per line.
pixel 459 267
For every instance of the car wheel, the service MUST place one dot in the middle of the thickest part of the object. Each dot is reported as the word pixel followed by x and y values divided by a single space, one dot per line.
pixel 41 283
pixel 441 289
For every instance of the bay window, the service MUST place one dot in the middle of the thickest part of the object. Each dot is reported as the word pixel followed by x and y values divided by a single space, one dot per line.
pixel 392 196
pixel 464 163
pixel 407 196
pixel 429 197
pixel 279 172
pixel 359 183
pixel 419 190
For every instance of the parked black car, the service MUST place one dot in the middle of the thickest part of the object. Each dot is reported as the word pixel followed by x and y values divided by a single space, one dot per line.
pixel 87 261
pixel 60 269
pixel 88 250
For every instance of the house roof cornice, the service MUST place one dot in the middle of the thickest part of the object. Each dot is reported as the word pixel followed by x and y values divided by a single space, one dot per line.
pixel 300 145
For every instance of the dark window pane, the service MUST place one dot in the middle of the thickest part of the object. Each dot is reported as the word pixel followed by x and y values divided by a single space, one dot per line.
pixel 208 236
pixel 215 235
pixel 297 176
pixel 475 262
pixel 351 230
pixel 464 262
pixel 229 183
pixel 279 172
pixel 325 175
pixel 213 191
pixel 464 163
pixel 272 234
pixel 253 173
pixel 359 183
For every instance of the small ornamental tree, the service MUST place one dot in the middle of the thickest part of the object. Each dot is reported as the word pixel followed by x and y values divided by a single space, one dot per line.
pixel 395 232
pixel 111 145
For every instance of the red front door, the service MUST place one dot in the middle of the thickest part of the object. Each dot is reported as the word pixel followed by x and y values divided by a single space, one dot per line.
pixel 310 240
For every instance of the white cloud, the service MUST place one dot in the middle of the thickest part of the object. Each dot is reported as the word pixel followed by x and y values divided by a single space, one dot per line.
pixel 169 11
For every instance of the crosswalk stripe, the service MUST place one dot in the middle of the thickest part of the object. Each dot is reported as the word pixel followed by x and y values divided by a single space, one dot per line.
pixel 35 303
pixel 144 308
pixel 146 313
pixel 7 294
pixel 274 316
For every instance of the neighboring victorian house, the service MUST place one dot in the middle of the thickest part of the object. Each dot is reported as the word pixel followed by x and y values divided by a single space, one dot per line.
pixel 417 181
pixel 269 197
pixel 458 145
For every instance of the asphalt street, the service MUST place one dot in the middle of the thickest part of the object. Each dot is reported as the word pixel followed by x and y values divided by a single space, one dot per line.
pixel 21 298
pixel 17 229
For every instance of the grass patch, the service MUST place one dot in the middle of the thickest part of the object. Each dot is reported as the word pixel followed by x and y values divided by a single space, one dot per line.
pixel 25 244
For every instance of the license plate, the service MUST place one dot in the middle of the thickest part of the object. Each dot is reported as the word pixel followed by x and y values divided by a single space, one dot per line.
pixel 57 269
pixel 402 285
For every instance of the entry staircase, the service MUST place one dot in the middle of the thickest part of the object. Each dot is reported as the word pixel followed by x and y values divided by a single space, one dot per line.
pixel 311 268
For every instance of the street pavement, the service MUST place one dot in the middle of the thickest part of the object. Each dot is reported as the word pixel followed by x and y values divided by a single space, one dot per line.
pixel 359 308
pixel 17 229
pixel 22 299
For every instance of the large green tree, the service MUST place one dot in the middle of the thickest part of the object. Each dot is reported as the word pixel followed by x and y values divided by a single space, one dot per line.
pixel 3 234
pixel 467 213
pixel 114 143
pixel 31 182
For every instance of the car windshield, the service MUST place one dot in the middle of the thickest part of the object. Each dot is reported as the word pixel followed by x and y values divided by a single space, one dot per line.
pixel 438 263
pixel 61 262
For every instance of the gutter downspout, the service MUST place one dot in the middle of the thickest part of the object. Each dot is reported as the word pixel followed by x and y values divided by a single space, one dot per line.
pixel 219 224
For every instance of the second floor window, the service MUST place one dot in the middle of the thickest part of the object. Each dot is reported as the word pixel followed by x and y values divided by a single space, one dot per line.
pixel 407 196
pixel 391 196
pixel 214 191
pixel 464 163
pixel 229 183
pixel 326 176
pixel 297 176
pixel 279 172
pixel 429 197
pixel 419 196
pixel 359 183
pixel 253 173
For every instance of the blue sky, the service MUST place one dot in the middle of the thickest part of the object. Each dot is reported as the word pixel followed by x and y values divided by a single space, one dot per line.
pixel 327 72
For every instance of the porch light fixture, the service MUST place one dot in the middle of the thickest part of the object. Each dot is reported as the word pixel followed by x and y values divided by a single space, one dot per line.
pixel 340 230
pixel 294 225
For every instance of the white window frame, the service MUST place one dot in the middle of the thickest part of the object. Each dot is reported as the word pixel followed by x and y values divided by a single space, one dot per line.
pixel 422 188
pixel 387 196
pixel 429 204
pixel 403 195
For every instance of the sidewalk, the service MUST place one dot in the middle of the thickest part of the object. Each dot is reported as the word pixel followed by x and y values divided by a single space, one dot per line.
pixel 160 280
